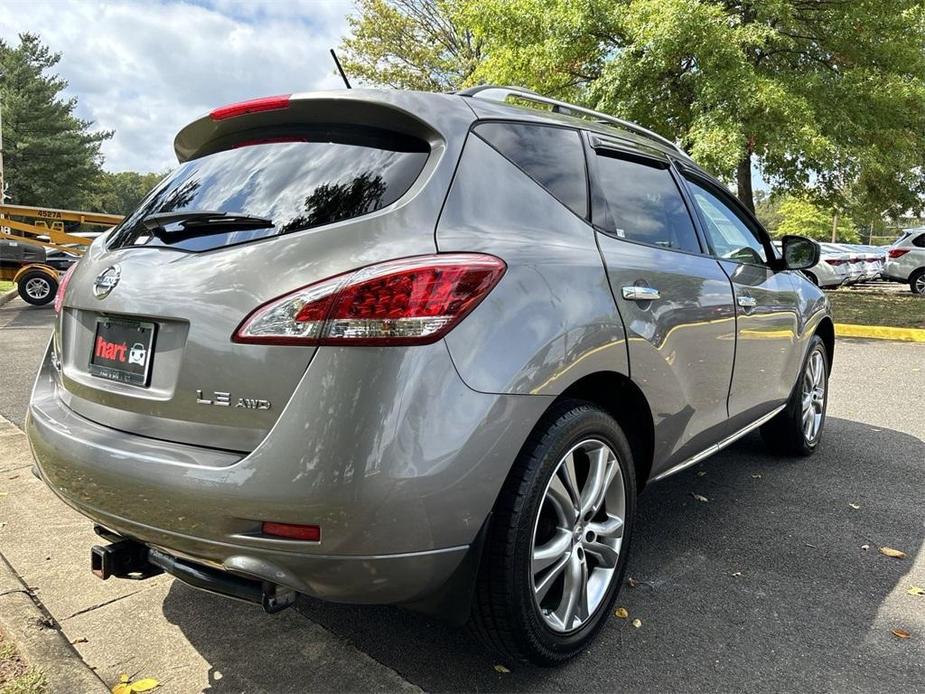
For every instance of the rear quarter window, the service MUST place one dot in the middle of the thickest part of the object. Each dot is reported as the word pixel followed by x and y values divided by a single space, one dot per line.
pixel 297 180
pixel 551 156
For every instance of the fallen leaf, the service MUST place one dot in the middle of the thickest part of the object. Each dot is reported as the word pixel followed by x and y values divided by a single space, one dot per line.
pixel 737 573
pixel 865 547
pixel 501 668
pixel 915 590
pixel 82 639
pixel 756 476
pixel 855 506
pixel 900 633
pixel 632 582
pixel 621 613
pixel 890 552
pixel 701 474
pixel 700 497
pixel 637 623
pixel 143 685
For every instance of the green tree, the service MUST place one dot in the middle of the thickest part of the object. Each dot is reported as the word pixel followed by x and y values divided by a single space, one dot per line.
pixel 801 217
pixel 410 44
pixel 50 156
pixel 767 209
pixel 120 193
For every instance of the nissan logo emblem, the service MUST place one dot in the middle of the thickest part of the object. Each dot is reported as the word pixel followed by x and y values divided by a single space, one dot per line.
pixel 106 281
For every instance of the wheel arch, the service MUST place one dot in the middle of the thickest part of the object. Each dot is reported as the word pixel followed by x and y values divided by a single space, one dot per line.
pixel 826 331
pixel 622 399
pixel 36 267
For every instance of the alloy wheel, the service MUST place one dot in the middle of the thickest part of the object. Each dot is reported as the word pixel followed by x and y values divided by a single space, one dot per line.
pixel 813 396
pixel 37 288
pixel 577 535
pixel 920 284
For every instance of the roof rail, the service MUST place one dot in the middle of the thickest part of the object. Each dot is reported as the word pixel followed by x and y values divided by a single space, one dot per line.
pixel 499 93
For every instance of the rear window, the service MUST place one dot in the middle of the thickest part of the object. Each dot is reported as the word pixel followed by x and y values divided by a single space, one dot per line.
pixel 919 241
pixel 294 181
pixel 551 156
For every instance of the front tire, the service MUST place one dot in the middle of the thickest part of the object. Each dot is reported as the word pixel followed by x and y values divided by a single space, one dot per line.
pixel 797 429
pixel 556 550
pixel 37 288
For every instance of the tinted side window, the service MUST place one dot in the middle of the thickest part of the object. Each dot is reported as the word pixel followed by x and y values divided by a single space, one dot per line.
pixel 553 157
pixel 919 241
pixel 731 237
pixel 644 204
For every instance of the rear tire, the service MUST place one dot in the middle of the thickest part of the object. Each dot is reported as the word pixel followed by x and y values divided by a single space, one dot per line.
pixel 37 288
pixel 811 277
pixel 553 566
pixel 797 429
pixel 917 282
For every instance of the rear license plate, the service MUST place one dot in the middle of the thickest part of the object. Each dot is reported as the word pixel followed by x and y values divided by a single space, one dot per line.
pixel 123 350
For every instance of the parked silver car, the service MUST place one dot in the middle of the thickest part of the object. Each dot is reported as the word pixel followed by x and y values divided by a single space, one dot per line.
pixel 420 349
pixel 833 268
pixel 906 260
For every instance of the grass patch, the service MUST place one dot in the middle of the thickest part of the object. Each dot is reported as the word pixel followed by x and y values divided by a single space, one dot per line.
pixel 878 305
pixel 15 676
pixel 6 286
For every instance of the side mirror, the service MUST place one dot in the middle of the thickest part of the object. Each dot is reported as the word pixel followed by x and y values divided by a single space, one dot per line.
pixel 799 252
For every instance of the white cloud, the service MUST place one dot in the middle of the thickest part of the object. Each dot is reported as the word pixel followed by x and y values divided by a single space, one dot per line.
pixel 146 69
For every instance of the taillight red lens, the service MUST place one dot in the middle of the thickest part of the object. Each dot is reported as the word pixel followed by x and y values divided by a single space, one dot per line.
pixel 835 261
pixel 291 531
pixel 266 103
pixel 898 252
pixel 412 301
pixel 62 287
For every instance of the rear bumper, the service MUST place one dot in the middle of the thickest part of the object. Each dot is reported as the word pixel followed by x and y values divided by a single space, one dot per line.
pixel 400 492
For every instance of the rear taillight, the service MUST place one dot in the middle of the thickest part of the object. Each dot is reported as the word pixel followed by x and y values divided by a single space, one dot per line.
pixel 412 301
pixel 267 103
pixel 62 287
pixel 835 261
pixel 897 252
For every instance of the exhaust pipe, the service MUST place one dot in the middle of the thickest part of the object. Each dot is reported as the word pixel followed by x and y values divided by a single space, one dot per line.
pixel 126 558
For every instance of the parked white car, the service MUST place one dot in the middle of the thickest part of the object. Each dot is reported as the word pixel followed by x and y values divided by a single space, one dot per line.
pixel 906 260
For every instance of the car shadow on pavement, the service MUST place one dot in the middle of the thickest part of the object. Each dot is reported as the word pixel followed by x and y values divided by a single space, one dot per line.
pixel 765 586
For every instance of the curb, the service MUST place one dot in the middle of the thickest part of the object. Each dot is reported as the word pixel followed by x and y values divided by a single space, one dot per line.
pixel 39 640
pixel 8 296
pixel 880 332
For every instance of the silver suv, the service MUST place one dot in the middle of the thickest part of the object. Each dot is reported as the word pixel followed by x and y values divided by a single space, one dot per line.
pixel 905 260
pixel 419 349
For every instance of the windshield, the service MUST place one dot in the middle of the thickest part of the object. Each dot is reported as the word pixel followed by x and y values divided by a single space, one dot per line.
pixel 297 181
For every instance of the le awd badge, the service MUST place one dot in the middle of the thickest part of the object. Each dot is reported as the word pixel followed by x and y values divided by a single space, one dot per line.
pixel 223 399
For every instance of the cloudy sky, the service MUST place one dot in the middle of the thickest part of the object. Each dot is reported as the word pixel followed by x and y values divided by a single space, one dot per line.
pixel 145 69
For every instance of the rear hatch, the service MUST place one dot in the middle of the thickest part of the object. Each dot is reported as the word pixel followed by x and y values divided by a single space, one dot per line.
pixel 145 332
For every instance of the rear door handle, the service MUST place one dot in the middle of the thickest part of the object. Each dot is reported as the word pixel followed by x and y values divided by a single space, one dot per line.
pixel 635 293
pixel 746 301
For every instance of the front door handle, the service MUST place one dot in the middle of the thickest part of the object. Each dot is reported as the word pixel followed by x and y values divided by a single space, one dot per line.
pixel 747 301
pixel 635 293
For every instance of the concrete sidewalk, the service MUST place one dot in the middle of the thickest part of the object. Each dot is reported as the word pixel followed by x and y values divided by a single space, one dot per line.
pixel 188 640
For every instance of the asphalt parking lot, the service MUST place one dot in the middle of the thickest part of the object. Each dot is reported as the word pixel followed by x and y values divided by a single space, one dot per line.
pixel 767 586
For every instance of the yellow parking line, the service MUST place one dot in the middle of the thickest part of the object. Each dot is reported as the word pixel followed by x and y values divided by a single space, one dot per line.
pixel 880 332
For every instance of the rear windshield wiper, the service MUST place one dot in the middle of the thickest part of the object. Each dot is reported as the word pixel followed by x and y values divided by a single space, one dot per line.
pixel 199 219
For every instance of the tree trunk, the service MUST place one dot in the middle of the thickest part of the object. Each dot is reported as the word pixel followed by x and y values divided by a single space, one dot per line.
pixel 744 181
pixel 834 226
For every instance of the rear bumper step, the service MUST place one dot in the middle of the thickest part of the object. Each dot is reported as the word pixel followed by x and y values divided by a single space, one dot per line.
pixel 126 558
